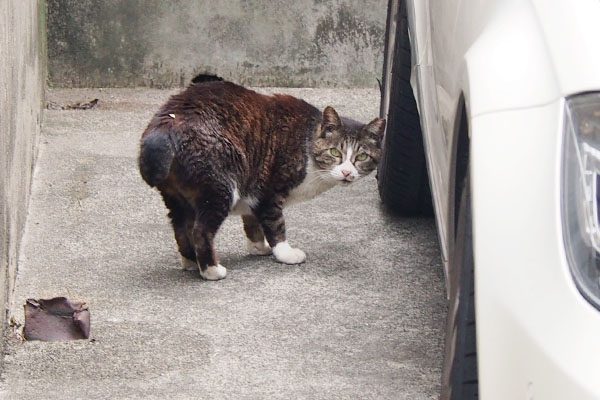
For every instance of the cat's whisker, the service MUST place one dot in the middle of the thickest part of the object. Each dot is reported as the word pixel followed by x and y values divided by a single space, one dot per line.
pixel 323 172
pixel 315 178
pixel 319 175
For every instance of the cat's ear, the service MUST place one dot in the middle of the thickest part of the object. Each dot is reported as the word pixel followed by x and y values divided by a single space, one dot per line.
pixel 331 121
pixel 375 129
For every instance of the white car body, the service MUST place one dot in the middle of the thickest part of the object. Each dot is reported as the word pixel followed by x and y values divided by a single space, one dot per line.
pixel 513 62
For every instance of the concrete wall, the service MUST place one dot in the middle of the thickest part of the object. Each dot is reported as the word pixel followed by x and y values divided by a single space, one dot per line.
pixel 22 80
pixel 164 43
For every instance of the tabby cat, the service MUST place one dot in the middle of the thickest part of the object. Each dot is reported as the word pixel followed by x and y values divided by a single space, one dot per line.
pixel 218 148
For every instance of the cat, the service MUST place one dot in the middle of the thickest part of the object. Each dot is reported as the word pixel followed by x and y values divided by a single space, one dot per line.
pixel 218 148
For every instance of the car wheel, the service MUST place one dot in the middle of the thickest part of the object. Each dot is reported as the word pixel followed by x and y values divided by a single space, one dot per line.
pixel 402 173
pixel 460 377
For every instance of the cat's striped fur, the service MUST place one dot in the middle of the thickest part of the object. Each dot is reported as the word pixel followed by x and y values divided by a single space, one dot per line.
pixel 218 148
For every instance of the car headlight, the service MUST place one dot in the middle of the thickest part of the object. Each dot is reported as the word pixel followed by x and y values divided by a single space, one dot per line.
pixel 581 192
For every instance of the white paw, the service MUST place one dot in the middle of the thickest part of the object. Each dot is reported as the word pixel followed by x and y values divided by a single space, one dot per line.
pixel 188 265
pixel 213 272
pixel 286 254
pixel 259 248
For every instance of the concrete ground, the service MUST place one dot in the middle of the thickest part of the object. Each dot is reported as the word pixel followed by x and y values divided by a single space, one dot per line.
pixel 363 318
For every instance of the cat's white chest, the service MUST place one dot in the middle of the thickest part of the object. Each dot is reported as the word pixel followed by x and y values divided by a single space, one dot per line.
pixel 313 185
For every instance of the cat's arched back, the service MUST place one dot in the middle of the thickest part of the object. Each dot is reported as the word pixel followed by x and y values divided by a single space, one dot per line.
pixel 218 148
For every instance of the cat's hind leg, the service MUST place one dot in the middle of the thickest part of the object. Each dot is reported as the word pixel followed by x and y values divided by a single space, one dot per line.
pixel 211 211
pixel 182 219
pixel 257 244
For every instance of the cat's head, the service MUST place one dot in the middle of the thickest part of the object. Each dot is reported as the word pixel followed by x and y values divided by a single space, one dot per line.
pixel 345 150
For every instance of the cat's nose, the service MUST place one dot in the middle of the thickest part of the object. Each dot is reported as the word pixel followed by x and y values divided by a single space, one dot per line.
pixel 347 174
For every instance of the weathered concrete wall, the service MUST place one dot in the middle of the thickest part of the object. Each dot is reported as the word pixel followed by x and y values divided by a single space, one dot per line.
pixel 22 80
pixel 164 43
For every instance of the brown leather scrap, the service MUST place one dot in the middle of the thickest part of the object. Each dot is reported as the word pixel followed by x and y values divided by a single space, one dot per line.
pixel 56 319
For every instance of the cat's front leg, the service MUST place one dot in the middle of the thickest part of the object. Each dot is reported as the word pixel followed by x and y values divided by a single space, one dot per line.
pixel 287 254
pixel 257 245
pixel 270 215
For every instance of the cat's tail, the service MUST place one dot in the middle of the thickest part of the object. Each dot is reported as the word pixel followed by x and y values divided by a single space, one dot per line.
pixel 156 156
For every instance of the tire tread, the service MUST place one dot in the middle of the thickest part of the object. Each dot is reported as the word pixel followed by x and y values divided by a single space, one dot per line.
pixel 402 174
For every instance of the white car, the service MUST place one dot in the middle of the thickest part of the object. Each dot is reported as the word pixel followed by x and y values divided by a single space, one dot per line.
pixel 505 130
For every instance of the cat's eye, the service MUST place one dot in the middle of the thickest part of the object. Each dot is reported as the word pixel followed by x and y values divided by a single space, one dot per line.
pixel 335 152
pixel 362 157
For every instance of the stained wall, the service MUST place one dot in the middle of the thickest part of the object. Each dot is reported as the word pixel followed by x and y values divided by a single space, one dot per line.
pixel 22 81
pixel 164 43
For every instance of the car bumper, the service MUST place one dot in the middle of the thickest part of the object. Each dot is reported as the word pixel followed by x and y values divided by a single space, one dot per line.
pixel 537 337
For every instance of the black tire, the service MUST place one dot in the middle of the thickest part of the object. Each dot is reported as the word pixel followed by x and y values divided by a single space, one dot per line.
pixel 460 375
pixel 402 174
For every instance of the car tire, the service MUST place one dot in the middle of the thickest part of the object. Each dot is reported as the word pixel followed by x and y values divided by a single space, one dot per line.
pixel 402 173
pixel 460 374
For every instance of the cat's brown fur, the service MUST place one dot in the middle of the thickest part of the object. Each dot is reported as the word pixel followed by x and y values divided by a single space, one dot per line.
pixel 218 146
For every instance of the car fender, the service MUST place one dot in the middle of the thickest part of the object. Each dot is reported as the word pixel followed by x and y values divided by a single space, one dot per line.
pixel 509 65
pixel 536 334
pixel 513 94
pixel 534 330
